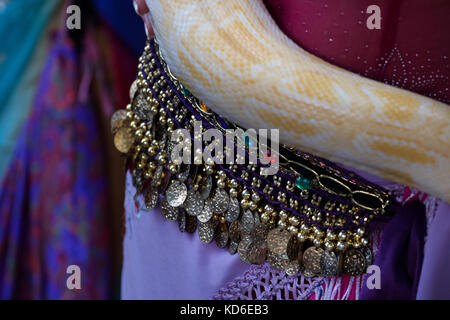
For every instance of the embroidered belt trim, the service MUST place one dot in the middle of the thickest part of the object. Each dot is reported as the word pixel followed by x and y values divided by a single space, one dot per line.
pixel 310 217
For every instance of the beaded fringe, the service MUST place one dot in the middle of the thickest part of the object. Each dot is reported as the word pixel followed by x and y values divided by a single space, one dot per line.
pixel 265 283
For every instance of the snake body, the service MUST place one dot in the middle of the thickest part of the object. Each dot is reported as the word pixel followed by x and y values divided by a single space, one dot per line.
pixel 233 56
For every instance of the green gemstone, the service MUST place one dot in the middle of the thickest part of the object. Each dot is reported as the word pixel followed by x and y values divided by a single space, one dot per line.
pixel 185 91
pixel 303 183
pixel 247 140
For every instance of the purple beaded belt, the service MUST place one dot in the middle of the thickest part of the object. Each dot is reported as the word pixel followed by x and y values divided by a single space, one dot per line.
pixel 310 216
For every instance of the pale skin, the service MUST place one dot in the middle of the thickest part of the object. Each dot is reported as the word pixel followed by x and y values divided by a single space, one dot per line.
pixel 232 56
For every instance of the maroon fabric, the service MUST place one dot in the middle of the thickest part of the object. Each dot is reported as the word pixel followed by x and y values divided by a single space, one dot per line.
pixel 410 51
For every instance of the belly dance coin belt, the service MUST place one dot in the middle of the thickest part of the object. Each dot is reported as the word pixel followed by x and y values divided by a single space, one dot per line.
pixel 310 217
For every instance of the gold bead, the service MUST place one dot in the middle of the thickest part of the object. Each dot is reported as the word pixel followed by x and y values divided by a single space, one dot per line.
pixel 283 215
pixel 152 165
pixel 301 237
pixel 341 246
pixel 364 242
pixel 317 242
pixel 255 197
pixel 294 221
pixel 360 232
pixel 222 174
pixel 209 170
pixel 292 229
pixel 147 174
pixel 139 133
pixel 342 235
pixel 265 217
pixel 234 183
pixel 331 235
pixel 151 151
pixel 329 245
pixel 268 208
pixel 304 228
pixel 318 233
pixel 141 165
pixel 173 168
pixel 221 184
pixel 281 224
pixel 161 158
pixel 155 144
pixel 145 142
pixel 244 204
pixel 144 157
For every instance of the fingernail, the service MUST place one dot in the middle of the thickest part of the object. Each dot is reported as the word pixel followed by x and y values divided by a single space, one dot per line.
pixel 148 25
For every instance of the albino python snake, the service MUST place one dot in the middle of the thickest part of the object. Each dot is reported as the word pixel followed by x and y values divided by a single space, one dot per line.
pixel 232 55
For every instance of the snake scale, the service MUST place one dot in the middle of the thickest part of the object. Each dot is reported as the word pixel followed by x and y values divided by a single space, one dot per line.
pixel 232 55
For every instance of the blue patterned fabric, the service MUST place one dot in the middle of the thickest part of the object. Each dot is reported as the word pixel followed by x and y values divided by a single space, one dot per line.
pixel 54 211
pixel 21 29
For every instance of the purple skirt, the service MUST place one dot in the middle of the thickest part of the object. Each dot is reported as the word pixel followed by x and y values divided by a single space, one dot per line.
pixel 160 262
